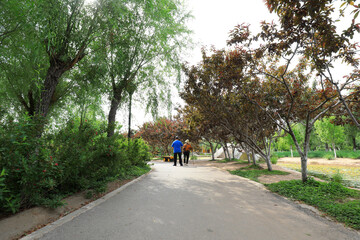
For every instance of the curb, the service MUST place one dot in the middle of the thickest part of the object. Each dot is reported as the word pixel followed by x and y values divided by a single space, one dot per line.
pixel 41 232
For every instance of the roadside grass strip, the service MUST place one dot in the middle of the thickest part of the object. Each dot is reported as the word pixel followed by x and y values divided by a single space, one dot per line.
pixel 332 198
pixel 253 172
pixel 226 160
pixel 350 175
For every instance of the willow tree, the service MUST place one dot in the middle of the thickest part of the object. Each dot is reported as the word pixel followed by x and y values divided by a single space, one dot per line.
pixel 139 34
pixel 39 46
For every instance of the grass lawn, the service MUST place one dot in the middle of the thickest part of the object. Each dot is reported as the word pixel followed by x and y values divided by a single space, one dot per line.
pixel 232 160
pixel 323 154
pixel 254 171
pixel 350 174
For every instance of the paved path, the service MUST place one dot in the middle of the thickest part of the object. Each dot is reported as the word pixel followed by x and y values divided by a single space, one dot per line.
pixel 197 203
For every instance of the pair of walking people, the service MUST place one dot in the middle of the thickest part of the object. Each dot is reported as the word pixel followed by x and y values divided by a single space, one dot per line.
pixel 178 145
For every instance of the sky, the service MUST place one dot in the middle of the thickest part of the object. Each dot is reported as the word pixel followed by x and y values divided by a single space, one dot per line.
pixel 214 19
pixel 211 24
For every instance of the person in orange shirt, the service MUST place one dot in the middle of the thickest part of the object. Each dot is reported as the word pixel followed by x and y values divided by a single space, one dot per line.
pixel 187 148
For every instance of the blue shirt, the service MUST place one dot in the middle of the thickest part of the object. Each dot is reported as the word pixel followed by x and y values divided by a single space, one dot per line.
pixel 177 144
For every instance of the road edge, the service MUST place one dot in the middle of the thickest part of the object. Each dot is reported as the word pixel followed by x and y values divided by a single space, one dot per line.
pixel 50 227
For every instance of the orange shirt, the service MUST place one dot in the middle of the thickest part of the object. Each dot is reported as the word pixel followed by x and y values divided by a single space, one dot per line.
pixel 187 147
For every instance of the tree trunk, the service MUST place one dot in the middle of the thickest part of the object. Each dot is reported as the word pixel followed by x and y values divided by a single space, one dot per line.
pixel 228 153
pixel 354 143
pixel 130 105
pixel 246 150
pixel 326 147
pixel 212 151
pixel 291 150
pixel 303 168
pixel 112 116
pixel 268 163
pixel 51 81
pixel 247 155
pixel 253 156
pixel 333 145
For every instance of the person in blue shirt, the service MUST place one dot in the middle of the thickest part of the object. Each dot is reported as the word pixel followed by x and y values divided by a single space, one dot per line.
pixel 177 144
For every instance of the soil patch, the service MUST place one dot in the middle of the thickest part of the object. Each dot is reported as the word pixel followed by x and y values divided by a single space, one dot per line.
pixel 293 175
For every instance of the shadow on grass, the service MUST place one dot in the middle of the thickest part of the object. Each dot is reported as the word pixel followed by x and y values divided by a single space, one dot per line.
pixel 253 172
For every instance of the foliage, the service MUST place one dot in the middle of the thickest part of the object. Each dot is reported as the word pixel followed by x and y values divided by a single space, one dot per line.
pixel 332 198
pixel 40 171
pixel 8 202
pixel 140 44
pixel 32 172
pixel 161 133
pixel 253 172
pixel 274 159
pixel 329 132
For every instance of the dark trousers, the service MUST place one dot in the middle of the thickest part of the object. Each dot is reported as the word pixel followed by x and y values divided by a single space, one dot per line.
pixel 175 158
pixel 186 157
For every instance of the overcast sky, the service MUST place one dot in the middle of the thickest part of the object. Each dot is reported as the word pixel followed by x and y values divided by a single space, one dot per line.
pixel 214 19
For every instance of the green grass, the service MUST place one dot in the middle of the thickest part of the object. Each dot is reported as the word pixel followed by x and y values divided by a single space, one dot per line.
pixel 322 154
pixel 332 198
pixel 253 172
pixel 226 160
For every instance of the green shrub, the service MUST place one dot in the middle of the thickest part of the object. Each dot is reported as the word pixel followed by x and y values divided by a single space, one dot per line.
pixel 274 159
pixel 32 171
pixel 328 156
pixel 337 177
pixel 41 171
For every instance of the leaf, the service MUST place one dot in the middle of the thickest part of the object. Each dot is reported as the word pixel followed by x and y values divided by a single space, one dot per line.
pixel 356 14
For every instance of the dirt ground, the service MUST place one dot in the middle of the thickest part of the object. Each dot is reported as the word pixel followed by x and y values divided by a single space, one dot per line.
pixel 276 178
pixel 25 222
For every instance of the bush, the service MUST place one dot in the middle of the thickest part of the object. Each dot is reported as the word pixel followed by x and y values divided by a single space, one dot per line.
pixel 274 159
pixel 337 177
pixel 328 156
pixel 32 172
pixel 41 171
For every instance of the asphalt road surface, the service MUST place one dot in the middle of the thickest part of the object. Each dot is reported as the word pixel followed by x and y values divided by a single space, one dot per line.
pixel 197 203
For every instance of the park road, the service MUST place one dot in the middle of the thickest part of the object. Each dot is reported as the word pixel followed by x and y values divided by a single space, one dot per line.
pixel 193 202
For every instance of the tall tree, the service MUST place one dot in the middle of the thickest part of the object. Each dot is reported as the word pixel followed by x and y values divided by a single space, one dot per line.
pixel 161 133
pixel 313 26
pixel 139 34
pixel 330 133
pixel 51 37
pixel 284 91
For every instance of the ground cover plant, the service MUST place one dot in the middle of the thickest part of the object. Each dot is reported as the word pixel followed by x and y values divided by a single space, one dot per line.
pixel 253 172
pixel 350 174
pixel 232 160
pixel 330 197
